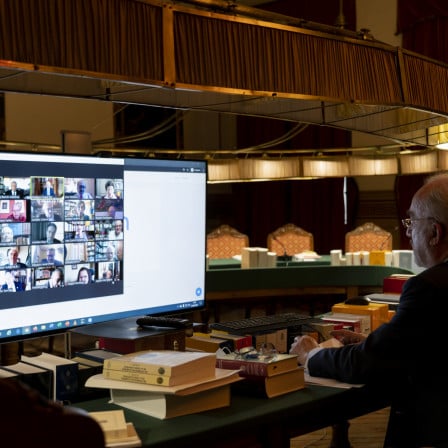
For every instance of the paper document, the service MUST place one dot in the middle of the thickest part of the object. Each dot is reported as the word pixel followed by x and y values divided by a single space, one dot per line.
pixel 329 382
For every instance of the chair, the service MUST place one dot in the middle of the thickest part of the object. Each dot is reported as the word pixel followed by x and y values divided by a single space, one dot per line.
pixel 30 419
pixel 289 240
pixel 225 242
pixel 368 237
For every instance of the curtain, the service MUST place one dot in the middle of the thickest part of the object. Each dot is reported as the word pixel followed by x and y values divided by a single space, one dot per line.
pixel 114 37
pixel 259 208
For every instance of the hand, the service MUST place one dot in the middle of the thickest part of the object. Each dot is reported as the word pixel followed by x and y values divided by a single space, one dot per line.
pixel 348 337
pixel 301 346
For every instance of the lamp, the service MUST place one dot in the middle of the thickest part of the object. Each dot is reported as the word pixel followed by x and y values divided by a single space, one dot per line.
pixel 374 165
pixel 223 170
pixel 325 167
pixel 412 162
pixel 270 169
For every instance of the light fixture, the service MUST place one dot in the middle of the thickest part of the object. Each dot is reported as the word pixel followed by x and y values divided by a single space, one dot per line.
pixel 412 162
pixel 373 165
pixel 223 170
pixel 321 166
pixel 270 168
pixel 443 160
pixel 76 142
pixel 438 136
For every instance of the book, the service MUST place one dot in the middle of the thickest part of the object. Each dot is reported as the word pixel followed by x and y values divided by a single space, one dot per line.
pixel 125 336
pixel 279 338
pixel 132 440
pixel 378 312
pixel 166 402
pixel 364 325
pixel 221 378
pixel 283 362
pixel 207 343
pixel 65 374
pixel 113 424
pixel 98 365
pixel 137 341
pixel 324 329
pixel 96 355
pixel 146 378
pixel 350 323
pixel 163 367
pixel 164 406
pixel 38 378
pixel 272 386
pixel 86 368
pixel 7 374
pixel 239 341
pixel 117 432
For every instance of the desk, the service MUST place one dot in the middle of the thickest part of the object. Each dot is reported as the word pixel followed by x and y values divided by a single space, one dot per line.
pixel 298 278
pixel 258 422
pixel 233 263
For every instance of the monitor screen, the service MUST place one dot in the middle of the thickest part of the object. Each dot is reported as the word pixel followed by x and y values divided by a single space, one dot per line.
pixel 88 239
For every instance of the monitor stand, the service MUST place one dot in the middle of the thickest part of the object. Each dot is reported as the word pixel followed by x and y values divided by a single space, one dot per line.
pixel 124 335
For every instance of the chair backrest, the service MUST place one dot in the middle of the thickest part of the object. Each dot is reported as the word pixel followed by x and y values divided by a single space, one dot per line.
pixel 225 242
pixel 290 239
pixel 368 237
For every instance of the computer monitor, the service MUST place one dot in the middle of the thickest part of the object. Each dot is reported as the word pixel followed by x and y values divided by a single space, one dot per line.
pixel 89 239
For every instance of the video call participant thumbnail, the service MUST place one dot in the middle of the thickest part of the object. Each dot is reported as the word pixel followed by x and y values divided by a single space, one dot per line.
pixel 13 210
pixel 14 232
pixel 79 252
pixel 14 190
pixel 83 189
pixel 13 280
pixel 6 234
pixel 80 274
pixel 14 257
pixel 109 209
pixel 116 233
pixel 79 210
pixel 56 279
pixel 48 187
pixel 109 251
pixel 47 209
pixel 108 271
pixel 18 211
pixel 79 230
pixel 109 188
pixel 52 255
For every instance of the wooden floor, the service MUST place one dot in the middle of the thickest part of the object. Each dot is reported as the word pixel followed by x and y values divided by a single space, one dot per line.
pixel 364 432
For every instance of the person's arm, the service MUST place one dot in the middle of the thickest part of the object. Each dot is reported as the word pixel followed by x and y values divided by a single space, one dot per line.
pixel 304 347
pixel 348 337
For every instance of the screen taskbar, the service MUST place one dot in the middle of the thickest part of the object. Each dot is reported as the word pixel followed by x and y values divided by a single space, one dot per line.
pixel 68 324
